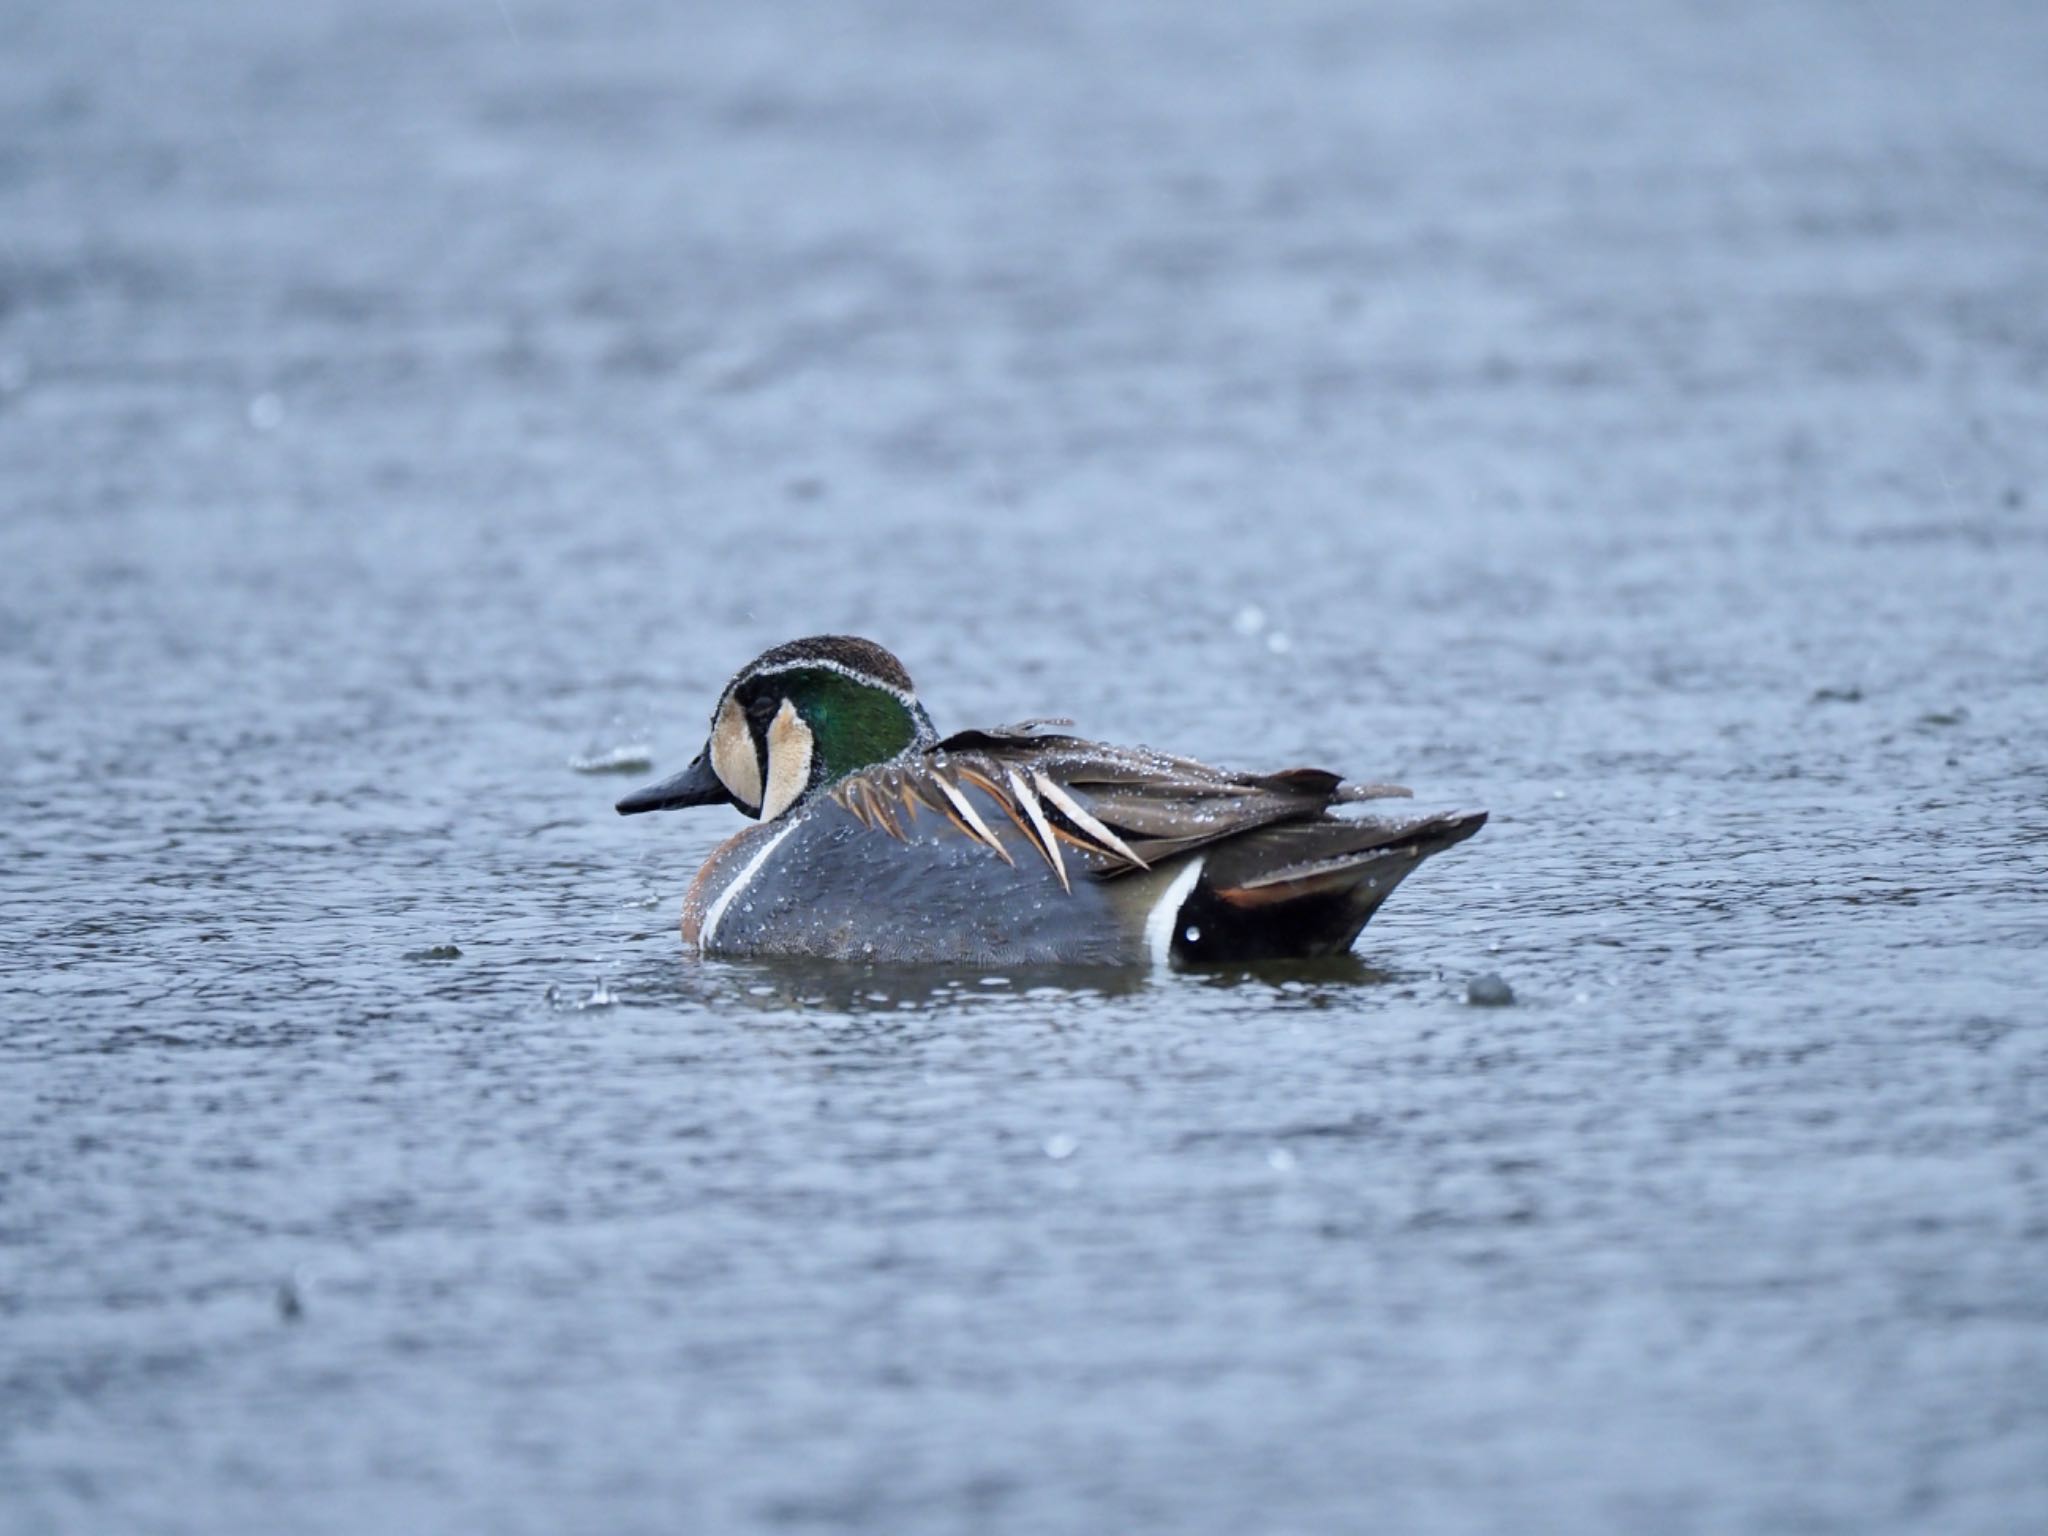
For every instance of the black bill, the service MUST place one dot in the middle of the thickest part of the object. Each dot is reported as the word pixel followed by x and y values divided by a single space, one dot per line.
pixel 695 785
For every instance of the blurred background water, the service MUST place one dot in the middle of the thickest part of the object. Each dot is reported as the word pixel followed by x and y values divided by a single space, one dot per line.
pixel 1629 418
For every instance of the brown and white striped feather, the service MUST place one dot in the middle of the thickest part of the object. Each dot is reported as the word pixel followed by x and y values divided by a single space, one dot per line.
pixel 1123 809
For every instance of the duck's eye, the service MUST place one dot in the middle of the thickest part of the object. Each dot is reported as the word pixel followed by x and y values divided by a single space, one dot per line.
pixel 762 709
pixel 733 755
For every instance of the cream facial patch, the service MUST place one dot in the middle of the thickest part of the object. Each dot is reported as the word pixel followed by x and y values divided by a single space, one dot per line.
pixel 789 761
pixel 733 757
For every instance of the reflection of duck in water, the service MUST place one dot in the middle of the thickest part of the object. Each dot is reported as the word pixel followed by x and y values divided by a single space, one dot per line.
pixel 880 841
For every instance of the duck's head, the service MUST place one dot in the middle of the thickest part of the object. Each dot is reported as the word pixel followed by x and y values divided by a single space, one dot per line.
pixel 794 721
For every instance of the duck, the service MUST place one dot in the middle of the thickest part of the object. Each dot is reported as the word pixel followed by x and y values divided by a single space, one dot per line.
pixel 878 840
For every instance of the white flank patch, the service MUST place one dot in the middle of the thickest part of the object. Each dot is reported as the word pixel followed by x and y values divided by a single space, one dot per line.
pixel 709 932
pixel 1164 917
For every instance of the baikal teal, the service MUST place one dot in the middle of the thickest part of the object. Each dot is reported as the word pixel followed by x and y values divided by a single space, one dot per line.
pixel 879 840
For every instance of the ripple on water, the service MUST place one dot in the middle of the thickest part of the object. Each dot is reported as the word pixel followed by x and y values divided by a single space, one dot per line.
pixel 1644 449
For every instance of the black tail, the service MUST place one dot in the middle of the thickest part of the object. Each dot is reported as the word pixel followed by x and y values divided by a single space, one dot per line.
pixel 1305 888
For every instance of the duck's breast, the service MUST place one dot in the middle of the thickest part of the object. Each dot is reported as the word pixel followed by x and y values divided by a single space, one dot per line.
pixel 821 883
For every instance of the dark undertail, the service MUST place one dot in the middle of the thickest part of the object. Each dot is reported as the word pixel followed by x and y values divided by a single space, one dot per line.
pixel 1305 889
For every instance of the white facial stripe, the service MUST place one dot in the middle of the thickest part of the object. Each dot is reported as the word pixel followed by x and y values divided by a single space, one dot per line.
pixel 1164 917
pixel 709 931
pixel 789 761
pixel 822 664
pixel 733 757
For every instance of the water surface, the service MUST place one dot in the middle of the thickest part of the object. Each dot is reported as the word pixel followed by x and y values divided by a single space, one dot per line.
pixel 1627 420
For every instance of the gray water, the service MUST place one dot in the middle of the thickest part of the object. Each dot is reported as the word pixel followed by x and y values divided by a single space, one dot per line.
pixel 1630 419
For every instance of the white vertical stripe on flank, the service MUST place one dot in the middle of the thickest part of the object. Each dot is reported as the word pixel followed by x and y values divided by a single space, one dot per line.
pixel 1165 913
pixel 710 929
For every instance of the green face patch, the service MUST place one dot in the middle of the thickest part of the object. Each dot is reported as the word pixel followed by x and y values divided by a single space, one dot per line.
pixel 854 724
